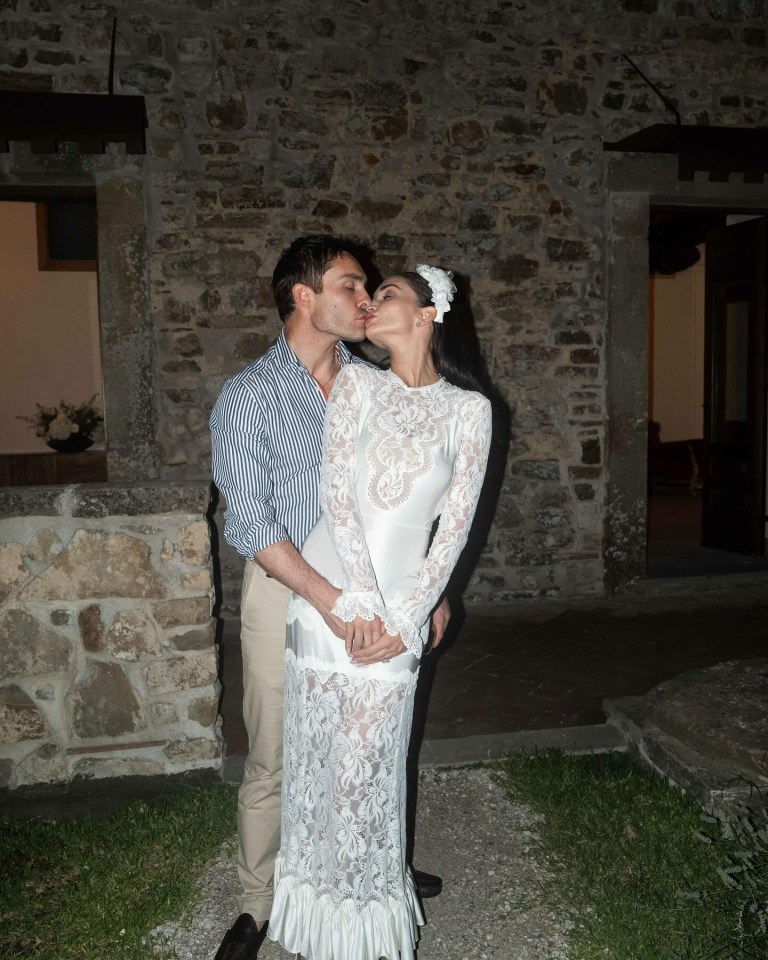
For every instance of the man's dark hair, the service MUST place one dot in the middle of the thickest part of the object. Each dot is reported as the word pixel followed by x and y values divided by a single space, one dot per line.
pixel 305 261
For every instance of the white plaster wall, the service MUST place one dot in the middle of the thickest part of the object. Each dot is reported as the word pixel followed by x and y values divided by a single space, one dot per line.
pixel 677 352
pixel 49 331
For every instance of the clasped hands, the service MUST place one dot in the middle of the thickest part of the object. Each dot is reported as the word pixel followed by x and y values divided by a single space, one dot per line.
pixel 367 641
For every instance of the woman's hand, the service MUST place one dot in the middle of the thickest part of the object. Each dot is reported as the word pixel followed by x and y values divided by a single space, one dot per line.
pixel 359 634
pixel 379 651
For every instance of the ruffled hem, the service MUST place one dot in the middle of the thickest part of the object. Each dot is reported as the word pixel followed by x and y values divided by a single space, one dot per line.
pixel 320 929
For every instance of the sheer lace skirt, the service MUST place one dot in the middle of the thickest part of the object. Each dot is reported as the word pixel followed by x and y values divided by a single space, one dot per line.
pixel 342 887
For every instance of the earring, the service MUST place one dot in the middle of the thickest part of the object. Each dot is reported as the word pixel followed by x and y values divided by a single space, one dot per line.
pixel 418 323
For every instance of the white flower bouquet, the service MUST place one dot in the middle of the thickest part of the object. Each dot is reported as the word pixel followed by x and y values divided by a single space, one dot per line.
pixel 66 427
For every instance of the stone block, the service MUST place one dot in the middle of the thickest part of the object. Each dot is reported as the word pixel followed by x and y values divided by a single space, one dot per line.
pixel 204 711
pixel 570 97
pixel 98 565
pixel 133 636
pixel 199 581
pixel 200 639
pixel 195 543
pixel 91 628
pixel 514 269
pixel 178 613
pixel 43 547
pixel 47 764
pixel 145 78
pixel 189 751
pixel 227 112
pixel 163 712
pixel 20 717
pixel 13 573
pixel 103 703
pixel 178 674
pixel 27 647
pixel 97 768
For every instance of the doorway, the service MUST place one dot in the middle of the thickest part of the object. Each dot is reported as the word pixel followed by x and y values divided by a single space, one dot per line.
pixel 706 393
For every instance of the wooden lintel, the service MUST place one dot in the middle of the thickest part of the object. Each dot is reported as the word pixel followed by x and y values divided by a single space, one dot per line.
pixel 90 120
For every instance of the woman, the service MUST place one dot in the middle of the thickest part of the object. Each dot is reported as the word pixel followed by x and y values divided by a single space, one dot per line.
pixel 400 447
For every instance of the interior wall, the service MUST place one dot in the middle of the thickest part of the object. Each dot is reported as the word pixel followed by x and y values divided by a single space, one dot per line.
pixel 676 390
pixel 49 325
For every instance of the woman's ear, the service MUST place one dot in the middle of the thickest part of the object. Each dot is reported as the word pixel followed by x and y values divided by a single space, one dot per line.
pixel 427 315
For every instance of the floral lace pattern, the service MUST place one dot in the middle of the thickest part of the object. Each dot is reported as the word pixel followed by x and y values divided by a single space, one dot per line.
pixel 406 427
pixel 341 791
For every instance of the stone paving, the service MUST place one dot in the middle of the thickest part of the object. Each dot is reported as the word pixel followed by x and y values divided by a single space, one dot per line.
pixel 548 666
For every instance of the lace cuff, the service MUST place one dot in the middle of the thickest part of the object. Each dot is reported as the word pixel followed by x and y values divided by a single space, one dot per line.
pixel 353 604
pixel 395 621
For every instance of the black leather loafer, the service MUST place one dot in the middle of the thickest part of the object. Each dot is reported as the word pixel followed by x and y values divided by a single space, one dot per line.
pixel 427 884
pixel 242 940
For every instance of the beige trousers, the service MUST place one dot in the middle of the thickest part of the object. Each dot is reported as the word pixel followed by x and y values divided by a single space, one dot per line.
pixel 263 608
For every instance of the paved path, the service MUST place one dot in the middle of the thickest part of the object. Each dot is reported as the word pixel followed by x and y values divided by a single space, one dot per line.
pixel 545 665
pixel 469 832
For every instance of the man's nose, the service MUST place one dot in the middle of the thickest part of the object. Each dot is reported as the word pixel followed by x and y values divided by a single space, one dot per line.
pixel 364 302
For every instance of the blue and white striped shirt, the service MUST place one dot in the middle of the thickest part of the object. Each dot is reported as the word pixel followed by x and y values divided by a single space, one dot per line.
pixel 267 434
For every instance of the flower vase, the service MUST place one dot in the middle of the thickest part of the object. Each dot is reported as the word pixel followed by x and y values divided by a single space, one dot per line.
pixel 74 443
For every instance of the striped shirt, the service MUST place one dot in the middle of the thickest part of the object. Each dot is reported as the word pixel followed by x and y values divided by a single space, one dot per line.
pixel 267 433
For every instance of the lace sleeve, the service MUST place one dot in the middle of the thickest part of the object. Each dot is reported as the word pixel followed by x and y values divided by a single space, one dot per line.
pixel 456 513
pixel 360 594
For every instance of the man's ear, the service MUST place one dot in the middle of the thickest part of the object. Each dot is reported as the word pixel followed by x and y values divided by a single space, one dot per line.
pixel 303 295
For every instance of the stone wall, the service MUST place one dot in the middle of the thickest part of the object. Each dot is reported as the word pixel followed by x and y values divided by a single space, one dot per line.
pixel 467 134
pixel 107 657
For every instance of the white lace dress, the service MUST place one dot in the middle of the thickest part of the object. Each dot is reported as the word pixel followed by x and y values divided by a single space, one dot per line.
pixel 394 459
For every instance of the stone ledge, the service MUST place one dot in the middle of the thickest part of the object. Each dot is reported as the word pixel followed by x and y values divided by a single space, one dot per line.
pixel 97 501
pixel 131 500
pixel 722 788
pixel 31 501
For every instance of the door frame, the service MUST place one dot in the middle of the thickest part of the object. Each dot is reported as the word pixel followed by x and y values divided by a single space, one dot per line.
pixel 634 184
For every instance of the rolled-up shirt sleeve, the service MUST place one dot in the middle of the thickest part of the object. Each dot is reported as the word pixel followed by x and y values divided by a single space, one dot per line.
pixel 242 471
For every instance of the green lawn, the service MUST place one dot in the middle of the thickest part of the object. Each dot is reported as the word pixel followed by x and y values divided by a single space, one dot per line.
pixel 640 867
pixel 93 888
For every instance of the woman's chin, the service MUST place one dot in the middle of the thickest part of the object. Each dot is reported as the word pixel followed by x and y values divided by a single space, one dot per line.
pixel 373 338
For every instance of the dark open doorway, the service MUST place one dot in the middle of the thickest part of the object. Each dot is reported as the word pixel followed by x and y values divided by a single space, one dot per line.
pixel 707 392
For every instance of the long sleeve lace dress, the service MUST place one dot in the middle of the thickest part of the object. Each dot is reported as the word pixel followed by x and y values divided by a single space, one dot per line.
pixel 394 458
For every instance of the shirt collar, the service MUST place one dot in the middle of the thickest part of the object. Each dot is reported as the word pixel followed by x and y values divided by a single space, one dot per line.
pixel 288 358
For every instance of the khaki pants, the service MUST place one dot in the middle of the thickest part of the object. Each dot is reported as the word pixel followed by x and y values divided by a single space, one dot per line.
pixel 263 608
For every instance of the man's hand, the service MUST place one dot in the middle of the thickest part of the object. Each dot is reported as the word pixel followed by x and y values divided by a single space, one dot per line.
pixel 322 596
pixel 386 647
pixel 440 619
pixel 283 561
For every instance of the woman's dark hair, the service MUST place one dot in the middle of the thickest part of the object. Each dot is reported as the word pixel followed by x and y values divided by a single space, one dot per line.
pixel 451 356
pixel 305 261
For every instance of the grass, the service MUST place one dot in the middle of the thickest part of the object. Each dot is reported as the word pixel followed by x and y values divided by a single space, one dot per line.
pixel 626 853
pixel 636 862
pixel 94 888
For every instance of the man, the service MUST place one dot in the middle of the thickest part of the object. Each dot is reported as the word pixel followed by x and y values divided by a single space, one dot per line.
pixel 266 430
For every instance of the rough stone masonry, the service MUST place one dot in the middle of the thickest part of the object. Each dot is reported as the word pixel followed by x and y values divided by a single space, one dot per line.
pixel 107 658
pixel 467 134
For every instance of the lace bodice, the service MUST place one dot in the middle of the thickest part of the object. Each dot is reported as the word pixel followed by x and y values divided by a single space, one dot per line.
pixel 394 459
